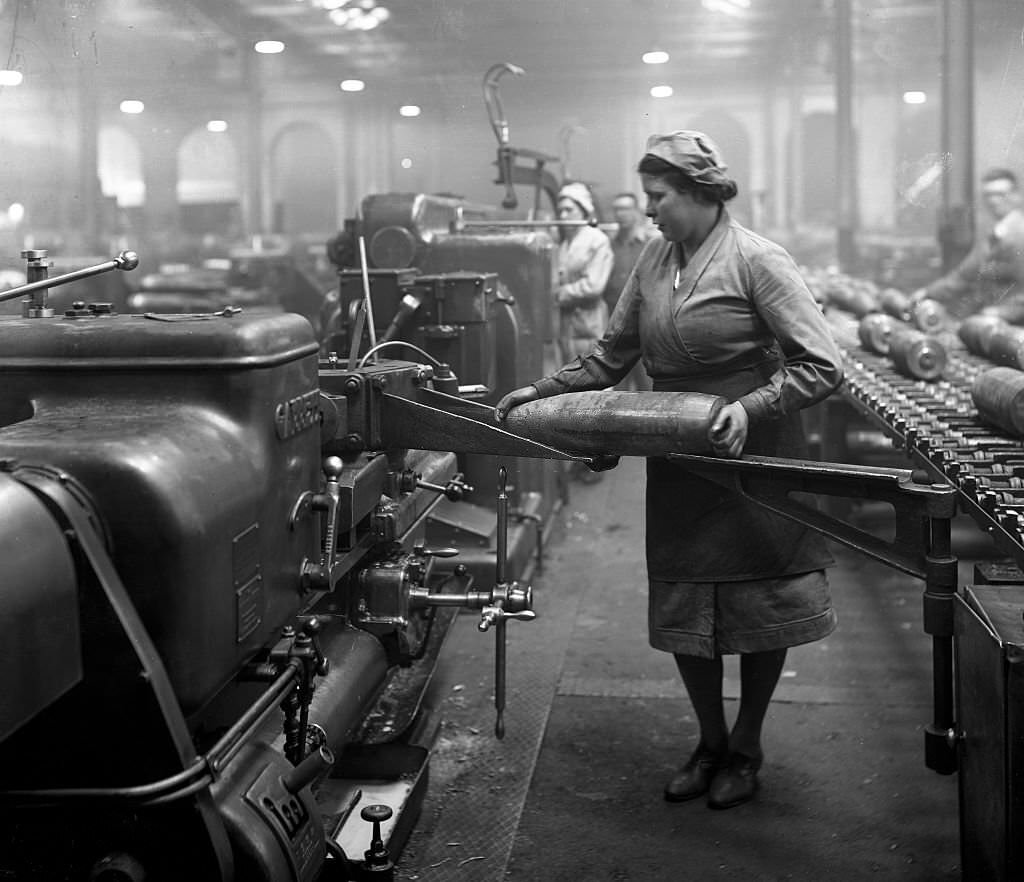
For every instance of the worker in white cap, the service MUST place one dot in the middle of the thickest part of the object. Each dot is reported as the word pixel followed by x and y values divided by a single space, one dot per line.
pixel 584 264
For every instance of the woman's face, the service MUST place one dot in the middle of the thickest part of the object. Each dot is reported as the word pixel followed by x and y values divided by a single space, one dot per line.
pixel 675 214
pixel 569 209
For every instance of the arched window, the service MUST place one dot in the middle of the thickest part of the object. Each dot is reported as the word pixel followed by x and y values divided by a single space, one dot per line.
pixel 208 183
pixel 303 182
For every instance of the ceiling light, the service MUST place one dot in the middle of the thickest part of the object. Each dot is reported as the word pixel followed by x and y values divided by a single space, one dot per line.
pixel 341 16
pixel 217 125
pixel 15 212
pixel 380 13
pixel 367 4
pixel 132 105
pixel 10 77
pixel 409 110
pixel 654 57
pixel 661 92
pixel 269 47
pixel 352 85
pixel 729 7
pixel 406 162
pixel 914 97
pixel 366 22
pixel 331 4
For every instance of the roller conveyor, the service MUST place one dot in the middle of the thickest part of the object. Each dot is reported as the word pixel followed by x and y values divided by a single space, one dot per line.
pixel 937 424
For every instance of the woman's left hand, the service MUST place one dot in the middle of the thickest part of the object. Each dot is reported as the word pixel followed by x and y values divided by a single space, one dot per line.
pixel 728 433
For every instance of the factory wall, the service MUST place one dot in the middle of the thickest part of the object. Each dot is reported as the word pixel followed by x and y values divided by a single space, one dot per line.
pixel 304 162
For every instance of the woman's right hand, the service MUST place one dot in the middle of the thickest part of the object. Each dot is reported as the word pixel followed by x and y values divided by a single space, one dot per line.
pixel 514 399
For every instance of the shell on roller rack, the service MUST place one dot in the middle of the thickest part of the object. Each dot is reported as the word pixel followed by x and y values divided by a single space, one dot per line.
pixel 895 303
pixel 976 332
pixel 1006 346
pixel 999 396
pixel 619 423
pixel 917 355
pixel 928 315
pixel 874 331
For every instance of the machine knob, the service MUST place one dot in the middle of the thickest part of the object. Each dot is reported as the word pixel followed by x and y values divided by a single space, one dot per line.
pixel 127 260
pixel 378 859
pixel 333 467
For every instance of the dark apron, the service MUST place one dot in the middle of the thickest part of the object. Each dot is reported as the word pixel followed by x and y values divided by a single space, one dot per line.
pixel 697 531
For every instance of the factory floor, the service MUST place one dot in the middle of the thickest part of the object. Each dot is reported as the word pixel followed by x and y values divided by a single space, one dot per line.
pixel 596 722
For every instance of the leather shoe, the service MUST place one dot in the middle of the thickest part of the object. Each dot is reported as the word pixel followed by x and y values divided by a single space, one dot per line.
pixel 694 779
pixel 736 783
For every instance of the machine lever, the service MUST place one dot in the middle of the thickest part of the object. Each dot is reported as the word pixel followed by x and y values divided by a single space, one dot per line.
pixel 126 260
pixel 510 602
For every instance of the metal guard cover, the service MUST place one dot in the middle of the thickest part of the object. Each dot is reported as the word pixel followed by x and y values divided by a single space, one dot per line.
pixel 164 342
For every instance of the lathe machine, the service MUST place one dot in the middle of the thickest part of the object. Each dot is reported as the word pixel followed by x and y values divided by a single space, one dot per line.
pixel 219 614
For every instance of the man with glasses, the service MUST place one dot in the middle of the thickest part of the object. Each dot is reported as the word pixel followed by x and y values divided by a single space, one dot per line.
pixel 989 278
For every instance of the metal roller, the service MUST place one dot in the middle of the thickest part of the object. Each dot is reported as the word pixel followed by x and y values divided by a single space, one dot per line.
pixel 1006 346
pixel 999 396
pixel 976 332
pixel 874 331
pixel 619 423
pixel 915 354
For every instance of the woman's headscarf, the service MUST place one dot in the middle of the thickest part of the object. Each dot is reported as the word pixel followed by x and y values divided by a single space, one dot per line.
pixel 579 194
pixel 694 153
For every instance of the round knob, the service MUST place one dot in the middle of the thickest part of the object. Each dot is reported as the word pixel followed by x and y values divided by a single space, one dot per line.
pixel 333 467
pixel 376 813
pixel 127 260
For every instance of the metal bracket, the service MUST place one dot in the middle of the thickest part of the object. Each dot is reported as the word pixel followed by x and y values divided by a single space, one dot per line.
pixel 769 481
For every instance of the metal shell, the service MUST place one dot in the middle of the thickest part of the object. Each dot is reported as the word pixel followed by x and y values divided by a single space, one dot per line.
pixel 999 396
pixel 928 315
pixel 895 303
pixel 619 423
pixel 976 332
pixel 916 355
pixel 1006 346
pixel 874 331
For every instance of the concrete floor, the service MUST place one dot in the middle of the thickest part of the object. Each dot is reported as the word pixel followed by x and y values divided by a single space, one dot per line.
pixel 597 721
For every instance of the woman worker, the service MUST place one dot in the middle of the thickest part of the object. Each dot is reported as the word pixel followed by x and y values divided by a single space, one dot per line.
pixel 712 307
pixel 584 263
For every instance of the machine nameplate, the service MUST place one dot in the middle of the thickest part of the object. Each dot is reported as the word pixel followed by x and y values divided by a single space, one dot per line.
pixel 297 414
pixel 248 581
pixel 248 603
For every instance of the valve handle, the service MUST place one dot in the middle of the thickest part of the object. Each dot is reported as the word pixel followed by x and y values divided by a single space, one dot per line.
pixel 377 856
pixel 492 615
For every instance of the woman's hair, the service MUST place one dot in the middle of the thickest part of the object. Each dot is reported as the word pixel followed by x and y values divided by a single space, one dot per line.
pixel 679 180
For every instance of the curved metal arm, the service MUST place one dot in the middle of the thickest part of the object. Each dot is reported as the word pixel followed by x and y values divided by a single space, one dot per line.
pixel 494 110
pixel 126 260
pixel 500 126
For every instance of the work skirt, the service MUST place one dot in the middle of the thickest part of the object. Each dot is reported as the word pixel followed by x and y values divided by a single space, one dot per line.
pixel 709 619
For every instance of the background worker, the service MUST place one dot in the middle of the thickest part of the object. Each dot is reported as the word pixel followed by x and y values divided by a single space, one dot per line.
pixel 627 243
pixel 989 278
pixel 584 262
